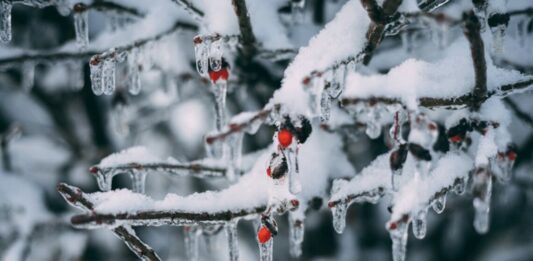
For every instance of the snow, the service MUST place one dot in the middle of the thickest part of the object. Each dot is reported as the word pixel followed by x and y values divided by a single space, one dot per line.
pixel 451 76
pixel 343 37
pixel 137 154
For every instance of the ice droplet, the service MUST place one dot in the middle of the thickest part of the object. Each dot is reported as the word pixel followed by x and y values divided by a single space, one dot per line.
pixel 339 216
pixel 266 250
pixel 192 234
pixel 233 241
pixel 201 52
pixel 81 26
pixel 219 91
pixel 215 55
pixel 296 234
pixel 108 76
pixel 439 204
pixel 395 179
pixel 420 224
pixel 502 168
pixel 96 76
pixel 134 87
pixel 5 21
pixel 28 75
pixel 399 241
pixel 138 181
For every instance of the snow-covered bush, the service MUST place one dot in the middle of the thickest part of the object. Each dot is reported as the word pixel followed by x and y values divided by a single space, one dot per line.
pixel 247 110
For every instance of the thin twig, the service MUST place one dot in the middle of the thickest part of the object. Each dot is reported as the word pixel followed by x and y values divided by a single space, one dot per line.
pixel 107 6
pixel 196 13
pixel 245 27
pixel 472 32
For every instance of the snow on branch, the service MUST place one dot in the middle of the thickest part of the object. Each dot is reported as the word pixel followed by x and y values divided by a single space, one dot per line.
pixel 196 13
pixel 105 6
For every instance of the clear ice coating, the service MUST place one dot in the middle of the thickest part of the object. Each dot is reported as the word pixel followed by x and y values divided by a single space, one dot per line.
pixel 498 36
pixel 373 128
pixel 325 106
pixel 266 250
pixel 339 216
pixel 81 26
pixel 399 241
pixel 219 90
pixel 5 21
pixel 232 154
pixel 215 55
pixel 430 5
pixel 482 204
pixel 108 76
pixel 296 234
pixel 138 181
pixel 295 186
pixel 134 74
pixel 233 241
pixel 96 77
pixel 28 75
pixel 459 187
pixel 104 180
pixel 439 204
pixel 192 234
pixel 201 51
pixel 420 224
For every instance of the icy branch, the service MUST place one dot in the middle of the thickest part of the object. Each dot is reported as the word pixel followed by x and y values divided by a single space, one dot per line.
pixel 245 27
pixel 196 13
pixel 77 198
pixel 105 7
pixel 472 32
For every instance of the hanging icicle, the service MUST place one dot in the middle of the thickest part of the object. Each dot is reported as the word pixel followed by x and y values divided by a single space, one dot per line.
pixel 76 75
pixel 296 232
pixel 5 21
pixel 233 241
pixel 134 73
pixel 201 51
pixel 108 75
pixel 482 190
pixel 103 179
pixel 81 26
pixel 96 66
pixel 398 234
pixel 215 54
pixel 138 180
pixel 420 224
pixel 340 208
pixel 297 8
pixel 498 25
pixel 192 235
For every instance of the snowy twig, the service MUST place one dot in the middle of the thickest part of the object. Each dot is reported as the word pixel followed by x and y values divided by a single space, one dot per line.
pixel 78 199
pixel 461 101
pixel 194 169
pixel 277 54
pixel 354 197
pixel 196 13
pixel 245 27
pixel 106 6
pixel 472 32
pixel 35 3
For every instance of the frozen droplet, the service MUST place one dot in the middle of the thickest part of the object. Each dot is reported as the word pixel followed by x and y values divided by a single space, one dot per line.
pixel 253 127
pixel 420 224
pixel 296 234
pixel 201 51
pixel 233 241
pixel 192 234
pixel 134 73
pixel 138 181
pixel 5 21
pixel 482 190
pixel 502 167
pixel 108 76
pixel 395 179
pixel 266 250
pixel 439 204
pixel 96 67
pixel 339 216
pixel 219 91
pixel 81 26
pixel 28 75
pixel 373 129
pixel 215 55
pixel 399 241
pixel 213 149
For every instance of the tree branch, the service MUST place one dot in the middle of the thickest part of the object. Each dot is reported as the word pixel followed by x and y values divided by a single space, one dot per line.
pixel 196 13
pixel 77 198
pixel 472 32
pixel 245 27
pixel 107 6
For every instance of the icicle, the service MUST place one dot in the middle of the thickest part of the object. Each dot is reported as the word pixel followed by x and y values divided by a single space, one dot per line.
pixel 420 224
pixel 120 119
pixel 460 187
pixel 340 208
pixel 5 21
pixel 294 173
pixel 325 106
pixel 297 8
pixel 373 129
pixel 104 180
pixel 96 67
pixel 28 75
pixel 201 52
pixel 482 186
pixel 498 36
pixel 81 26
pixel 439 204
pixel 407 41
pixel 266 250
pixel 76 76
pixel 219 90
pixel 209 235
pixel 134 73
pixel 138 179
pixel 502 166
pixel 108 76
pixel 296 234
pixel 215 55
pixel 398 236
pixel 232 153
pixel 233 243
pixel 192 234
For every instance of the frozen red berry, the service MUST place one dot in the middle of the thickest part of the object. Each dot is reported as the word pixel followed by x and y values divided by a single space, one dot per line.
pixel 263 235
pixel 220 75
pixel 269 172
pixel 393 225
pixel 456 139
pixel 284 138
pixel 511 155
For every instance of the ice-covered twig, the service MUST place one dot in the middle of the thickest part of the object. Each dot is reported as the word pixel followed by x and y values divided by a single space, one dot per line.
pixel 106 6
pixel 456 102
pixel 472 28
pixel 78 199
pixel 196 13
pixel 277 54
pixel 51 57
pixel 245 27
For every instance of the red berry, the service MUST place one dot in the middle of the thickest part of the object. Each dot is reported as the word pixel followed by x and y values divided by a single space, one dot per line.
pixel 222 74
pixel 511 155
pixel 264 235
pixel 269 172
pixel 393 226
pixel 284 138
pixel 456 139
pixel 93 169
